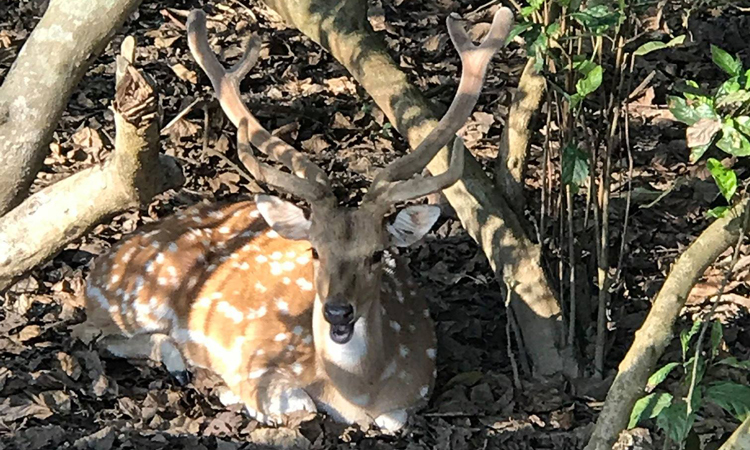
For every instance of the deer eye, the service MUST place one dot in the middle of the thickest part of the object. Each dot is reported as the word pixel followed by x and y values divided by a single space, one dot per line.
pixel 377 257
pixel 314 253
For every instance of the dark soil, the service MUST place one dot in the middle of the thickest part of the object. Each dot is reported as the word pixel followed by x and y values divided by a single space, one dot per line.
pixel 57 393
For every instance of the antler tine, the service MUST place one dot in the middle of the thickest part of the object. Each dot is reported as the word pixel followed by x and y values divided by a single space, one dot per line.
pixel 308 180
pixel 474 60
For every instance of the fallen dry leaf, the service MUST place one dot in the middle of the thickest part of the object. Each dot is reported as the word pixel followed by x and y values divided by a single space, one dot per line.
pixel 184 73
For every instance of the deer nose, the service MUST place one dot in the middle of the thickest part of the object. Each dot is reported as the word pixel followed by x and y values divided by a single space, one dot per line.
pixel 338 313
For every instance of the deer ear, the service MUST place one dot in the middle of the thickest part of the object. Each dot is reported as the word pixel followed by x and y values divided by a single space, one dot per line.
pixel 412 223
pixel 283 217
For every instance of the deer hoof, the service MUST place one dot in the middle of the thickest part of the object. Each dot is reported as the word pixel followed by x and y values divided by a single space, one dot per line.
pixel 288 402
pixel 181 377
pixel 392 421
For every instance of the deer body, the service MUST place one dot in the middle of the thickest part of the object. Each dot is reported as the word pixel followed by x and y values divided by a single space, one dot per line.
pixel 224 291
pixel 294 311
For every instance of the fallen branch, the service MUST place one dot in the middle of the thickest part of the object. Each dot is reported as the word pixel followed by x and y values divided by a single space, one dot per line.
pixel 341 27
pixel 50 219
pixel 657 330
pixel 40 82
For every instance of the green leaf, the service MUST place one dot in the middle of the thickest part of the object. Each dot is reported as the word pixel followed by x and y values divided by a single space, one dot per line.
pixel 743 124
pixel 584 65
pixel 598 19
pixel 649 407
pixel 718 212
pixel 590 82
pixel 686 335
pixel 682 111
pixel 740 96
pixel 725 61
pixel 734 362
pixel 518 30
pixel 660 375
pixel 717 335
pixel 732 141
pixel 575 166
pixel 733 397
pixel 725 178
pixel 649 47
pixel 675 421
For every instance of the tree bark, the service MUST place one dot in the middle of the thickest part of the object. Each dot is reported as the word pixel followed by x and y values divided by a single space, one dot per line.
pixel 510 164
pixel 656 332
pixel 342 29
pixel 740 439
pixel 37 88
pixel 50 219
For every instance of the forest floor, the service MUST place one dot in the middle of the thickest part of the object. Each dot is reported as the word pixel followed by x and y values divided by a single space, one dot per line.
pixel 57 393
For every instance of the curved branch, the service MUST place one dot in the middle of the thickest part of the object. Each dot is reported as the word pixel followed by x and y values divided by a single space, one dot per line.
pixel 657 330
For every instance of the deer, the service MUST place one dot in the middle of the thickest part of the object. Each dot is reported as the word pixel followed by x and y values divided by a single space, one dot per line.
pixel 296 309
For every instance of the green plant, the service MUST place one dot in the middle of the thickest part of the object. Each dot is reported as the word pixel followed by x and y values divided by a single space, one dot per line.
pixel 676 415
pixel 719 117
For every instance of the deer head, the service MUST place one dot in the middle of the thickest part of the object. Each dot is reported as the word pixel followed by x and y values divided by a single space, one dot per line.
pixel 348 244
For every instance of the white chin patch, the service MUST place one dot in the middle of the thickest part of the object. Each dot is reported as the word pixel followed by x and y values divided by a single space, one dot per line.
pixel 349 356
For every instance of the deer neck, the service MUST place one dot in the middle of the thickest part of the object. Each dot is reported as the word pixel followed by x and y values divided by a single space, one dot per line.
pixel 362 356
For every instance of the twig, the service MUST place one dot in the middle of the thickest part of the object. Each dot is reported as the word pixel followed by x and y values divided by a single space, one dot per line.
pixel 630 178
pixel 180 115
pixel 513 365
pixel 707 319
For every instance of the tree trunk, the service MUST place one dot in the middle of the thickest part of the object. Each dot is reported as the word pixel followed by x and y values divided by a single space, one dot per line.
pixel 342 29
pixel 656 332
pixel 47 221
pixel 37 88
pixel 510 164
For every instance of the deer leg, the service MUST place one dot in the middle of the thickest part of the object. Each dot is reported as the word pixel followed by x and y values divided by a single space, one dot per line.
pixel 269 395
pixel 154 346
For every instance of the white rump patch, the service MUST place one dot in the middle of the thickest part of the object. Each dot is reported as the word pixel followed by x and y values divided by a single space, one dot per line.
pixel 412 223
pixel 283 217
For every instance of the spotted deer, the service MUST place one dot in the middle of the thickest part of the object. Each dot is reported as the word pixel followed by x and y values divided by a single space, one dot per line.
pixel 295 311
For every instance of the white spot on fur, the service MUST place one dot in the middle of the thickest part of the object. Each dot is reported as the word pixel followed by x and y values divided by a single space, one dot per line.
pixel 286 280
pixel 361 400
pixel 282 306
pixel 173 247
pixel 403 351
pixel 275 268
pixel 297 368
pixel 230 311
pixel 281 337
pixel 389 370
pixel 304 284
pixel 276 256
pixel 431 353
pixel 254 214
pixel 426 313
pixel 256 313
pixel 272 234
pixel 287 266
pixel 225 230
pixel 302 260
pixel 260 288
pixel 395 325
pixel 261 259
pixel 424 390
pixel 307 339
pixel 257 373
pixel 298 330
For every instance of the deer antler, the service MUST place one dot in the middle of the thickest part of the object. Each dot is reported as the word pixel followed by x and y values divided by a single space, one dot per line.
pixel 392 184
pixel 307 180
